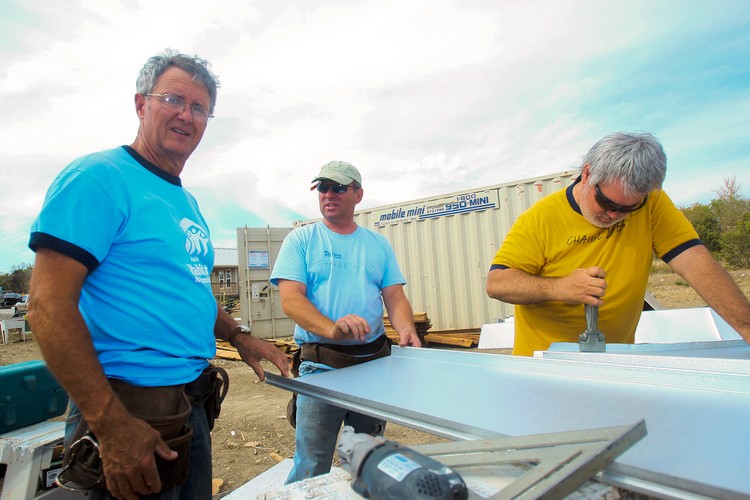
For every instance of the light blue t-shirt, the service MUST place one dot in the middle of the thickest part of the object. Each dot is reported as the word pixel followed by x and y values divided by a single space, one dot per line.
pixel 343 274
pixel 147 299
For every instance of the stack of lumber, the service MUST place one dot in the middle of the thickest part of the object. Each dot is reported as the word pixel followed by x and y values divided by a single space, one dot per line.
pixel 421 322
pixel 225 351
pixel 468 337
pixel 459 338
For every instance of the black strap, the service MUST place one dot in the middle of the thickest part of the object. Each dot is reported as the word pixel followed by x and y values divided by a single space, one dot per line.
pixel 201 388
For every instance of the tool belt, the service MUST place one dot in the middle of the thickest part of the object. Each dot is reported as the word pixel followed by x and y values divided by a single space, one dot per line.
pixel 341 356
pixel 166 409
pixel 335 356
pixel 209 390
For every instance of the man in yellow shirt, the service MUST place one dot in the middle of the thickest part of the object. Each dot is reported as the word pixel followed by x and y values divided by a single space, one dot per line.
pixel 593 244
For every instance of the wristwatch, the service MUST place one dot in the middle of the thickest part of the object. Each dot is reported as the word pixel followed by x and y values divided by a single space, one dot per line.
pixel 237 330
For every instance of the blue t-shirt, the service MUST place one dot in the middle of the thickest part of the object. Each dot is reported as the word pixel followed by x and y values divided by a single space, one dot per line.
pixel 344 274
pixel 147 299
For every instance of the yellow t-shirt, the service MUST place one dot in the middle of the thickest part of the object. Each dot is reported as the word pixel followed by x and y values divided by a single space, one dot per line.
pixel 553 239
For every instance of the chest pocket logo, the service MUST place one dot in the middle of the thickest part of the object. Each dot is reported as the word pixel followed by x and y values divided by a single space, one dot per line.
pixel 196 242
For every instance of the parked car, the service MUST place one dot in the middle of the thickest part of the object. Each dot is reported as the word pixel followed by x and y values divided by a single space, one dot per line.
pixel 9 297
pixel 20 307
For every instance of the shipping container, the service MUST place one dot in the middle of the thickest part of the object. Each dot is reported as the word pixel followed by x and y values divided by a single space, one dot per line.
pixel 260 305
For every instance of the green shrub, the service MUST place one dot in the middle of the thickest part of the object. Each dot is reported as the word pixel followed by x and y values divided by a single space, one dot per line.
pixel 724 225
pixel 706 224
pixel 736 244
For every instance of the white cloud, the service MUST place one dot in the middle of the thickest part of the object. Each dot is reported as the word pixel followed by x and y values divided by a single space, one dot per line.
pixel 425 97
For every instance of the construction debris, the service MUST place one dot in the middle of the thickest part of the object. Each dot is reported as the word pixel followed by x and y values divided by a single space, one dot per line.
pixel 216 484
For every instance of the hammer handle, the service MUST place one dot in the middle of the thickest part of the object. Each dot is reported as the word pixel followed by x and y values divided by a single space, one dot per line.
pixel 592 318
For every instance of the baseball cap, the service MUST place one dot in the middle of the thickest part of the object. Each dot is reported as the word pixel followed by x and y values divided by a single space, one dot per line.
pixel 339 171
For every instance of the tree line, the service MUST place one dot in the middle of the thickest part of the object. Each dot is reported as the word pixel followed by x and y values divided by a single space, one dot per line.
pixel 723 225
pixel 18 279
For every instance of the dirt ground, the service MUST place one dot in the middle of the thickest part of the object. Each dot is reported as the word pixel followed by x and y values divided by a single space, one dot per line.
pixel 252 433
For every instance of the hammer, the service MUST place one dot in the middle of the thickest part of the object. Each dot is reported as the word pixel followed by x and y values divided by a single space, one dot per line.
pixel 592 340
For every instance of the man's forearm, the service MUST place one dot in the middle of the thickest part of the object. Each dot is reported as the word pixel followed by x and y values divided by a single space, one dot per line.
pixel 517 287
pixel 306 315
pixel 400 313
pixel 63 336
pixel 225 325
pixel 715 286
pixel 402 320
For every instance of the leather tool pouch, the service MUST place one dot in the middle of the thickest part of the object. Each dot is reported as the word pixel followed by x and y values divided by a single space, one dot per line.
pixel 209 390
pixel 341 356
pixel 166 409
pixel 335 356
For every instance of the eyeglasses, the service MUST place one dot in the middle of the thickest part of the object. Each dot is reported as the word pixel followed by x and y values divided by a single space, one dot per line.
pixel 337 188
pixel 611 206
pixel 178 103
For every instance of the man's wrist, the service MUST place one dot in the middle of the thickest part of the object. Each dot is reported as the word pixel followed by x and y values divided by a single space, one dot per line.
pixel 238 330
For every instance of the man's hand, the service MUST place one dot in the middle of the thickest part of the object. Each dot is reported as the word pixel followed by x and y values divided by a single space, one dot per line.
pixel 253 350
pixel 127 449
pixel 409 338
pixel 350 326
pixel 582 286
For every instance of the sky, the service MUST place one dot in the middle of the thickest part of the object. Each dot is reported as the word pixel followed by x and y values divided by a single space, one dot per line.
pixel 426 98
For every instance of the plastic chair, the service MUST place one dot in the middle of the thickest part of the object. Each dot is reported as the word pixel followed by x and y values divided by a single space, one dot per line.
pixel 9 324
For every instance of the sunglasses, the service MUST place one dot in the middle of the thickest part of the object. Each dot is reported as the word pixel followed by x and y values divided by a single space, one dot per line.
pixel 611 206
pixel 337 188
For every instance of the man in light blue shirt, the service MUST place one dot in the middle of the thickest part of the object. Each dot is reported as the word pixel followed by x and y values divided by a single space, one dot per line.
pixel 333 278
pixel 121 295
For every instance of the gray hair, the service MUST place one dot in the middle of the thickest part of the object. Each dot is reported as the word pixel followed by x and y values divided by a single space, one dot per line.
pixel 636 159
pixel 194 65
